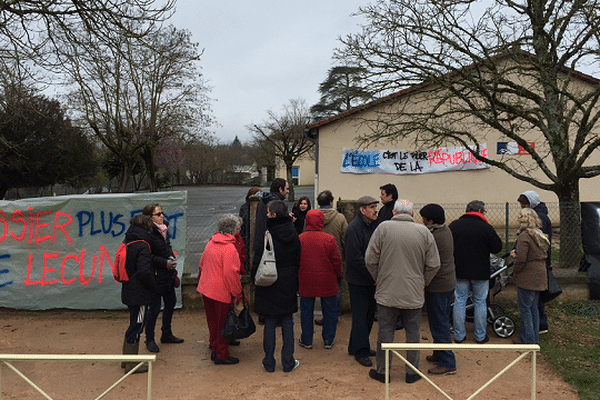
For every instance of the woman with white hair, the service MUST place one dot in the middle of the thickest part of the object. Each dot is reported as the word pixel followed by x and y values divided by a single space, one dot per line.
pixel 219 282
pixel 529 273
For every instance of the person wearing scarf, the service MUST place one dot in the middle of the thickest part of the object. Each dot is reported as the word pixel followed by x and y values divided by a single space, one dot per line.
pixel 165 274
pixel 530 273
pixel 474 240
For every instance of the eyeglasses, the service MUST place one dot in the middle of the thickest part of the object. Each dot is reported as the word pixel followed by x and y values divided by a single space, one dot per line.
pixel 157 214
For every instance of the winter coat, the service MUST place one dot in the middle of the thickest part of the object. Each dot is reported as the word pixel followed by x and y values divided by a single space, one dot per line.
pixel 474 240
pixel 335 224
pixel 445 279
pixel 402 258
pixel 320 263
pixel 385 213
pixel 281 297
pixel 220 269
pixel 261 222
pixel 529 271
pixel 542 211
pixel 300 222
pixel 140 288
pixel 161 251
pixel 356 241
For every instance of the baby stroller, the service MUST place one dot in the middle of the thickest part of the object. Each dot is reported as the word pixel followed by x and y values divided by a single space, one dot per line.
pixel 502 325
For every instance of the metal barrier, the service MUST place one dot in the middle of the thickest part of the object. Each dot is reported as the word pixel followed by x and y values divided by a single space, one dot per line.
pixel 5 359
pixel 525 348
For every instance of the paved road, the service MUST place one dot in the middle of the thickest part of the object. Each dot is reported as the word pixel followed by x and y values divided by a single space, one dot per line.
pixel 206 205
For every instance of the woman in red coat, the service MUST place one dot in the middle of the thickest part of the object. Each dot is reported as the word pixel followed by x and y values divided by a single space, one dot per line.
pixel 219 282
pixel 320 269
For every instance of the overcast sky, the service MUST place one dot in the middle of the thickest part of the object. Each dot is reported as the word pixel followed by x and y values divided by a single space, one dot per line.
pixel 259 54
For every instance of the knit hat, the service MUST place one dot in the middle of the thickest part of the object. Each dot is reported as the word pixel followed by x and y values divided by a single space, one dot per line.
pixel 366 200
pixel 433 212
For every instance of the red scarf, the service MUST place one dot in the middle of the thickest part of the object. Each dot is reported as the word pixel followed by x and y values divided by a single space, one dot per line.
pixel 477 214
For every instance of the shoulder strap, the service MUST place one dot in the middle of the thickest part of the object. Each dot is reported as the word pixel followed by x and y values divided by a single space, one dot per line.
pixel 140 240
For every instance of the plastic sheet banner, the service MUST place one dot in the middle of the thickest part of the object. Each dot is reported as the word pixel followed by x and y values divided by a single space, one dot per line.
pixel 401 162
pixel 57 252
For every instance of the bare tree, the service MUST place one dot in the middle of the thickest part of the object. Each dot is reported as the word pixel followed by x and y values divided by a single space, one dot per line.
pixel 285 133
pixel 510 68
pixel 39 28
pixel 135 94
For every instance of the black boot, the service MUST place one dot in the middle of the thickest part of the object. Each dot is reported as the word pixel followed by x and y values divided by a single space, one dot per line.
pixel 167 337
pixel 151 345
pixel 133 348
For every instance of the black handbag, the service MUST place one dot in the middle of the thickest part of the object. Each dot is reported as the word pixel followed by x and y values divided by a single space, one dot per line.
pixel 553 291
pixel 238 327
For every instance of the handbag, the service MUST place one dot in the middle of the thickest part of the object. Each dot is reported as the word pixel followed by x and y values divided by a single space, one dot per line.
pixel 554 289
pixel 266 273
pixel 238 327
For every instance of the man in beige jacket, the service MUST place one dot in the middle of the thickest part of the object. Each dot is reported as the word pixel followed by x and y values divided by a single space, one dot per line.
pixel 403 258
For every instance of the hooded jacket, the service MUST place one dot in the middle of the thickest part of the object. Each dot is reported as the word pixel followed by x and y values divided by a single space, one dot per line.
pixel 542 211
pixel 140 288
pixel 335 224
pixel 281 297
pixel 320 263
pixel 220 269
pixel 530 271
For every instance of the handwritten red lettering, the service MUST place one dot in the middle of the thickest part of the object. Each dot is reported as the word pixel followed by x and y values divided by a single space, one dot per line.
pixel 27 280
pixel 58 226
pixel 62 268
pixel 47 269
pixel 19 214
pixel 39 226
pixel 5 231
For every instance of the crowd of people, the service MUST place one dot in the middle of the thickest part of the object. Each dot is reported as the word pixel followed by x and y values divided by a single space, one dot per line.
pixel 393 267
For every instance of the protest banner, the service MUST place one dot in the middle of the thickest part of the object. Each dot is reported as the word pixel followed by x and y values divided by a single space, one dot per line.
pixel 401 162
pixel 57 252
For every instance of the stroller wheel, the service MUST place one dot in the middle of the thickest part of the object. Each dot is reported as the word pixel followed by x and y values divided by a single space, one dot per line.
pixel 504 326
pixel 494 311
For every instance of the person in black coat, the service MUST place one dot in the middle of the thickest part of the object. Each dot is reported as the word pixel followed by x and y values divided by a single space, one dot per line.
pixel 299 211
pixel 165 272
pixel 137 293
pixel 277 303
pixel 474 240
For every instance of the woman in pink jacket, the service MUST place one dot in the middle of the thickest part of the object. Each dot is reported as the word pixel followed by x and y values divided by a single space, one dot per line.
pixel 320 269
pixel 219 282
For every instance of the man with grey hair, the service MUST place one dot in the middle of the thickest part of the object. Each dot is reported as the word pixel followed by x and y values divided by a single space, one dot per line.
pixel 402 258
pixel 474 240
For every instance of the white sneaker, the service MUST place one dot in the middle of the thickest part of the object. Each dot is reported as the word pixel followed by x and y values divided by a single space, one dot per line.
pixel 296 364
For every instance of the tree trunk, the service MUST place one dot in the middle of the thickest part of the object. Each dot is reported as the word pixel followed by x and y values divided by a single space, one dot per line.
pixel 124 178
pixel 150 169
pixel 571 249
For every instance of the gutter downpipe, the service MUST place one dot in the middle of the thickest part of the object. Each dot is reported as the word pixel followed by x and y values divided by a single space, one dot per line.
pixel 313 136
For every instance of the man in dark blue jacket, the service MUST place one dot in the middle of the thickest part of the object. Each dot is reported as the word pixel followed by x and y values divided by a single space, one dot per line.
pixel 361 285
pixel 474 240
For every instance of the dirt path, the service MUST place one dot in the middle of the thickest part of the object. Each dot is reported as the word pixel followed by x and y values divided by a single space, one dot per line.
pixel 184 371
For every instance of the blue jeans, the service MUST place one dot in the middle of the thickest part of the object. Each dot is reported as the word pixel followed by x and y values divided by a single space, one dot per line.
pixel 154 309
pixel 529 313
pixel 307 308
pixel 439 306
pixel 287 350
pixel 338 298
pixel 461 293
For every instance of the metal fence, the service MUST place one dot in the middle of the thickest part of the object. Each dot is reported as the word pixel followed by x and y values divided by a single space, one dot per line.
pixel 503 216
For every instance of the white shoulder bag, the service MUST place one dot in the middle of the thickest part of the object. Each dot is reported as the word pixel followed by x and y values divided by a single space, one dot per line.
pixel 266 273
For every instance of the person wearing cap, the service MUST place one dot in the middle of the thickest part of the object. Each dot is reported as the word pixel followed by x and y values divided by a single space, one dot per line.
pixel 531 199
pixel 361 286
pixel 474 240
pixel 402 258
pixel 438 294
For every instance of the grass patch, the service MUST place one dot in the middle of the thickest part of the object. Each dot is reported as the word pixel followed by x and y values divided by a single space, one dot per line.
pixel 573 345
